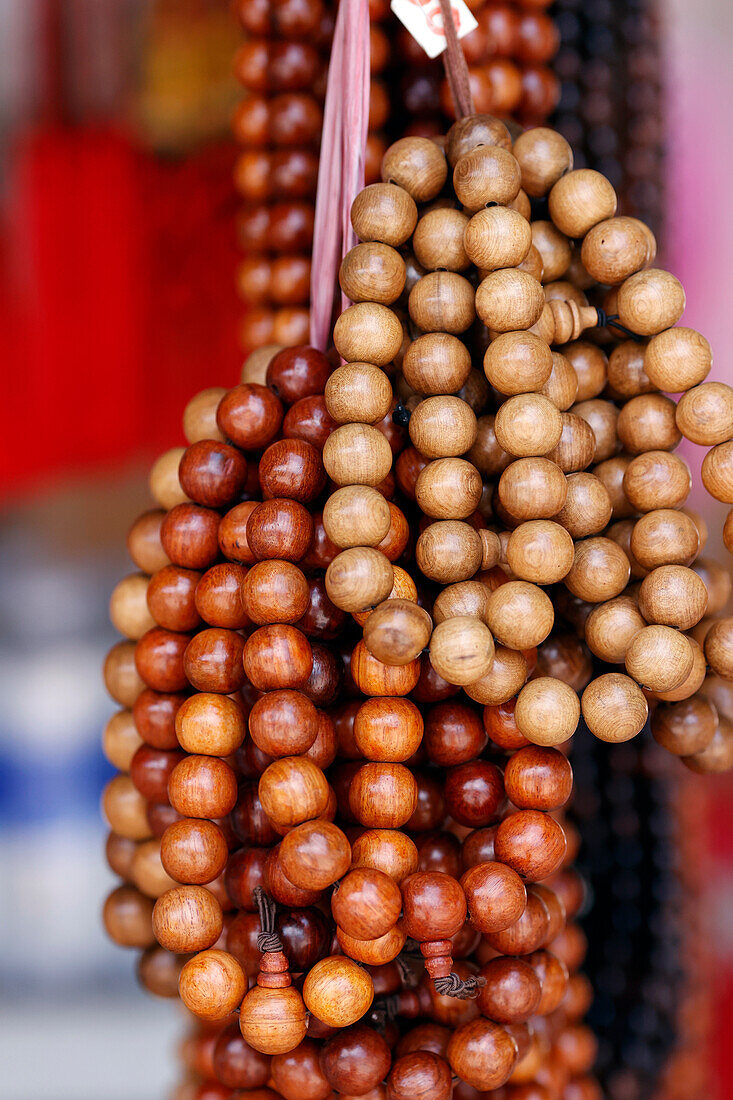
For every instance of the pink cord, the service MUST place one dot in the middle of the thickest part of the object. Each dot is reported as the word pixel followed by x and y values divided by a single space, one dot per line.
pixel 341 170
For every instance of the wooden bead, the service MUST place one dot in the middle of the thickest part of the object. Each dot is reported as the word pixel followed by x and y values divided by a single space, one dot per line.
pixel 540 551
pixel 193 851
pixel 212 474
pixel 355 1060
pixel 547 711
pixel 442 301
pixel 664 537
pixel 373 677
pixel 297 372
pixel 647 423
pixel 538 778
pixel 528 932
pixel 600 570
pixel 517 362
pixel 717 472
pixel 673 595
pixel 461 650
pixel 397 631
pixel 212 984
pixel 273 1021
pixel 482 1054
pixel 128 610
pixel 532 488
pixel 218 596
pixel 434 906
pixel 199 416
pixel 531 843
pixel 357 515
pixel 579 200
pixel 420 1073
pixel 705 414
pixel 495 894
pixel 454 734
pixel 202 786
pixel 554 249
pixel 438 240
pixel 277 656
pixel 449 551
pixel 504 679
pixel 576 447
pixel 127 917
pixel 655 480
pixel 165 487
pixel 659 658
pixel 520 615
pixel 497 237
pixel 366 904
pixel 358 392
pixel 719 648
pixel 283 723
pixel 385 850
pixel 474 793
pixel 441 427
pixel 357 454
pixel 717 581
pixel 610 627
pixel 250 415
pixel 448 488
pixel 436 363
pixel 384 212
pixel 213 661
pixel 124 808
pixel 528 424
pixel 626 374
pixel 686 727
pixel 388 729
pixel 614 707
pixel 416 164
pixel 154 715
pixel 467 597
pixel 143 542
pixel 587 508
pixel 553 976
pixel 338 991
pixel 472 131
pixel 650 301
pixel 512 991
pixel 486 174
pixel 717 757
pixel 186 919
pixel 121 740
pixel 293 790
pixel 677 359
pixel 543 156
pixel 602 417
pixel 208 724
pixel 509 300
pixel 275 592
pixel 372 272
pixel 383 795
pixel 121 677
pixel 279 529
pixel 315 854
pixel 614 249
pixel 297 1073
pixel 292 468
pixel 359 578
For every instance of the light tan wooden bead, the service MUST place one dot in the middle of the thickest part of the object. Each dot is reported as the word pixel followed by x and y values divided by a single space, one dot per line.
pixel 497 237
pixel 383 212
pixel 255 365
pixel 717 472
pixel 436 363
pixel 449 551
pixel 626 374
pixel 517 362
pixel 579 200
pixel 590 365
pixel 694 681
pixel 474 130
pixel 587 509
pixel 717 580
pixel 358 578
pixel 147 871
pixel 438 240
pixel 442 301
pixel 554 249
pixel 128 606
pixel 368 333
pixel 337 990
pixel 397 631
pixel 717 758
pixel 532 488
pixel 465 598
pixel 611 626
pixel 647 423
pixel 448 488
pixel 650 301
pixel 199 416
pixel 719 648
pixel 490 549
pixel 532 264
pixel 212 984
pixel 705 414
pixel 125 809
pixel 665 537
pixel 509 300
pixel 659 658
pixel 163 481
pixel 540 551
pixel 418 165
pixel 356 515
pixel 547 711
pixel 461 649
pixel 372 272
pixel 528 425
pixel 577 444
pixel 486 454
pixel 614 249
pixel 599 572
pixel 441 427
pixel 602 416
pixel 358 392
pixel 677 359
pixel 357 454
pixel 656 479
pixel 120 740
pixel 674 596
pixel 543 156
pixel 562 386
pixel 504 679
pixel 614 707
pixel 486 174
pixel 520 615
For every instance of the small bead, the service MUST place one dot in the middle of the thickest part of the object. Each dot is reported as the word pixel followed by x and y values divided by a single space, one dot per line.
pixel 280 528
pixel 193 851
pixel 128 608
pixel 420 1073
pixel 610 627
pixel 292 468
pixel 199 416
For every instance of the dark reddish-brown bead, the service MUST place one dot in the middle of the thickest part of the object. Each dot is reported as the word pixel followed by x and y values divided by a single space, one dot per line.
pixel 212 474
pixel 439 851
pixel 295 373
pixel 159 659
pixel 324 682
pixel 431 687
pixel 238 1065
pixel 429 813
pixel 478 847
pixel 189 536
pixel 495 894
pixel 454 734
pixel 305 935
pixel 434 906
pixel 512 991
pixel 292 468
pixel 279 886
pixel 202 786
pixel 219 596
pixel 321 619
pixel 355 1060
pixel 283 723
pixel 250 415
pixel 172 598
pixel 233 533
pixel 420 1074
pixel 280 528
pixel 537 778
pixel 246 870
pixel 277 656
pixel 213 661
pixel 500 724
pixel 474 792
pixel 159 816
pixel 321 551
pixel 150 769
pixel 154 714
pixel 248 819
pixel 275 592
pixel 532 843
pixel 527 933
pixel 309 419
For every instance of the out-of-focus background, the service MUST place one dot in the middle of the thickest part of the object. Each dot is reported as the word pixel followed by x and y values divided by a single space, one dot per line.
pixel 117 302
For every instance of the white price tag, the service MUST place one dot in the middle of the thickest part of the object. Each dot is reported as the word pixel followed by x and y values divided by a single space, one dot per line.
pixel 424 21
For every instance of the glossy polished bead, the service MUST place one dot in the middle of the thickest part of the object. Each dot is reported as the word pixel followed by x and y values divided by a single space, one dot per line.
pixel 213 661
pixel 366 904
pixel 218 596
pixel 297 1073
pixel 397 631
pixel 283 723
pixel 520 615
pixel 208 724
pixel 599 572
pixel 454 734
pixel 159 659
pixel 193 851
pixel 273 1021
pixel 384 212
pixel 610 627
pixel 275 592
pixel 124 808
pixel 189 536
pixel 614 249
pixel 495 894
pixel 654 480
pixel 420 1073
pixel 664 537
pixel 474 793
pixel 442 301
pixel 538 778
pixel 673 595
pixel 372 272
pixel 338 991
pixel 443 426
pixel 128 609
pixel 293 790
pixel 547 711
pixel 202 786
pixel 187 918
pixel 280 529
pixel 497 237
pixel 355 1060
pixel 383 795
pixel 298 372
pixel 528 933
pixel 292 468
pixel 387 850
pixel 250 415
pixel 150 769
pixel 533 488
pixel 482 1054
pixel 276 882
pixel 315 854
pixel 236 1064
pixel 531 843
pixel 512 991
pixel 614 707
pixel 434 906
pixel 212 984
pixel 121 740
pixel 540 551
pixel 277 656
pixel 212 474
pixel 469 597
pixel 448 488
pixel 372 677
